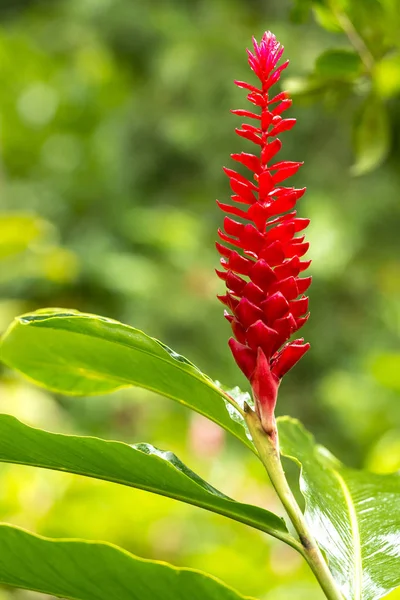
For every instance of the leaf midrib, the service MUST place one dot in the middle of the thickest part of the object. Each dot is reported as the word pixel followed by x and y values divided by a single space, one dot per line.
pixel 127 383
pixel 171 361
pixel 355 532
pixel 199 503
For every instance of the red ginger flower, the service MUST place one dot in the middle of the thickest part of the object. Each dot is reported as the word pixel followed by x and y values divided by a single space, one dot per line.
pixel 264 290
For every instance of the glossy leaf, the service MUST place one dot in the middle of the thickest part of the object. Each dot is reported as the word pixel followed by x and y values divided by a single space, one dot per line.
pixel 86 570
pixel 354 515
pixel 371 135
pixel 81 354
pixel 141 466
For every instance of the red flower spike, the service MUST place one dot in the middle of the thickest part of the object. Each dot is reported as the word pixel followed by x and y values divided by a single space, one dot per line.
pixel 288 268
pixel 247 313
pixel 299 307
pixel 221 274
pixel 284 173
pixel 279 97
pixel 235 284
pixel 256 99
pixel 301 224
pixel 245 113
pixel 229 301
pixel 248 160
pixel 232 227
pixel 232 210
pixel 288 357
pixel 263 275
pixel 242 189
pixel 266 184
pixel 249 135
pixel 274 254
pixel 228 239
pixel 233 175
pixel 288 287
pixel 238 331
pixel 303 284
pixel 285 327
pixel 301 321
pixel 258 213
pixel 252 238
pixel 296 249
pixel 283 125
pixel 284 105
pixel 245 358
pixel 284 164
pixel 264 290
pixel 282 218
pixel 282 204
pixel 247 86
pixel 275 307
pixel 265 386
pixel 253 293
pixel 261 336
pixel 268 151
pixel 240 265
pixel 283 232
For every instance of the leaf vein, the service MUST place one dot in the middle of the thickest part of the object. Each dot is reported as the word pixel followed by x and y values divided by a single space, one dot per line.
pixel 355 531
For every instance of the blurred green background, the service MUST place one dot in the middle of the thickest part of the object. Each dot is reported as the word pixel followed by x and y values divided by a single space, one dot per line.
pixel 114 126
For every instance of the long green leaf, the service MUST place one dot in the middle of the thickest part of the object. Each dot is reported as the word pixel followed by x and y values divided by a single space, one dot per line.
pixel 354 515
pixel 90 570
pixel 80 354
pixel 141 466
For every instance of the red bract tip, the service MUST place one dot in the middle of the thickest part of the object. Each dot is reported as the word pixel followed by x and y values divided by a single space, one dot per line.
pixel 262 261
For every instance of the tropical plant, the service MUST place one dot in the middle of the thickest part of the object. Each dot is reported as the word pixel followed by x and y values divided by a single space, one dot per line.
pixel 349 529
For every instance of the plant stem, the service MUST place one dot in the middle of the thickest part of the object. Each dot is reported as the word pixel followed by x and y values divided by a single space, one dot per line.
pixel 268 449
pixel 355 39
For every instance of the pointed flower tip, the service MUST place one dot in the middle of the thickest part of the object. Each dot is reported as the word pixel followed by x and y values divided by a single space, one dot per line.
pixel 267 54
pixel 288 357
pixel 265 384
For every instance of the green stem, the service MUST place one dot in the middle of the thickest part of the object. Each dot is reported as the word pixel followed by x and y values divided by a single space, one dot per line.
pixel 268 449
pixel 355 39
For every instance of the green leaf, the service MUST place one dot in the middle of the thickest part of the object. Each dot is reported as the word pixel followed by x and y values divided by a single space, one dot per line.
pixel 339 64
pixel 81 354
pixel 326 18
pixel 141 466
pixel 86 570
pixel 354 516
pixel 371 136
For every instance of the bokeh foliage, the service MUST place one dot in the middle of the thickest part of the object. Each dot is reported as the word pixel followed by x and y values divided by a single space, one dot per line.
pixel 114 125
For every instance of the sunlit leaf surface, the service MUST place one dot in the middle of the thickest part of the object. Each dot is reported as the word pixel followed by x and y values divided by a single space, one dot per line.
pixel 81 354
pixel 354 515
pixel 86 570
pixel 141 466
